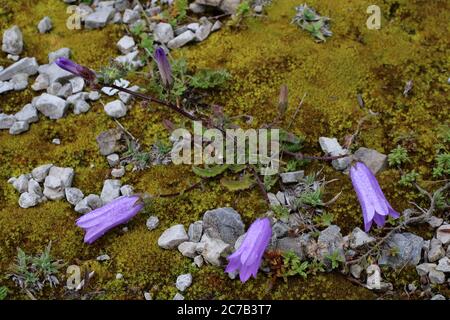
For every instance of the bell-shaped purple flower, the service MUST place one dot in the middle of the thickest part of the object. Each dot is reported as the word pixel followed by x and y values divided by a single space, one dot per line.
pixel 374 204
pixel 248 256
pixel 165 70
pixel 81 71
pixel 97 222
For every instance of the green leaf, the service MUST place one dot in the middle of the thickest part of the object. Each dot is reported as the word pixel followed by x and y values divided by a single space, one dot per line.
pixel 246 182
pixel 211 171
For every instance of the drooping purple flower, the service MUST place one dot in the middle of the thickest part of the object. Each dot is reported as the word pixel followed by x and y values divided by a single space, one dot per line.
pixel 68 65
pixel 248 256
pixel 165 70
pixel 374 204
pixel 97 222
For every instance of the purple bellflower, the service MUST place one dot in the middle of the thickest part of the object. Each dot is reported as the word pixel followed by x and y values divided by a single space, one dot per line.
pixel 374 204
pixel 165 70
pixel 97 222
pixel 81 71
pixel 248 257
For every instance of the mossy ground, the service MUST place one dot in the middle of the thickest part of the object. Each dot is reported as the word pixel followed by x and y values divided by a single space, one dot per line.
pixel 266 53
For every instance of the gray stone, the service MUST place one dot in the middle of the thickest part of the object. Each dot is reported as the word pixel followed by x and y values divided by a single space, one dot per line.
pixel 331 242
pixel 6 86
pixel 130 16
pixel 126 97
pixel 443 234
pixel 53 188
pixel 148 296
pixel 130 60
pixel 223 223
pixel 28 114
pixel 359 238
pixel 355 270
pixel 94 95
pixel 214 250
pixel 373 159
pixel 163 32
pixel 103 257
pixel 152 223
pixel 173 237
pixel 126 190
pixel 119 276
pixel 74 195
pixel 216 26
pixel 25 65
pixel 435 222
pixel 19 81
pixel 118 172
pixel 99 18
pixel 203 30
pixel 111 190
pixel 126 44
pixel 19 127
pixel 195 231
pixel 40 173
pixel 295 245
pixel 436 251
pixel 116 109
pixel 56 141
pixel 436 277
pixel 196 8
pixel 60 53
pixel 21 183
pixel 184 281
pixel 444 265
pixel 198 261
pixel 34 187
pixel 332 147
pixel 51 106
pixel 82 207
pixel 239 241
pixel 6 121
pixel 110 142
pixel 258 9
pixel 64 174
pixel 93 201
pixel 408 248
pixel 178 296
pixel 273 200
pixel 54 88
pixel 42 82
pixel 438 297
pixel 28 200
pixel 113 159
pixel 181 40
pixel 292 177
pixel 13 57
pixel 12 41
pixel 81 106
pixel 45 25
pixel 188 249
pixel 65 91
pixel 280 229
pixel 228 6
pixel 425 268
pixel 77 84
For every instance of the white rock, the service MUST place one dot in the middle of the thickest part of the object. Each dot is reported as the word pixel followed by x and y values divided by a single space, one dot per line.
pixel 81 106
pixel 55 73
pixel 332 147
pixel 163 32
pixel 40 173
pixel 130 60
pixel 45 25
pixel 130 16
pixel 12 41
pixel 444 265
pixel 195 231
pixel 51 106
pixel 214 250
pixel 116 109
pixel 358 238
pixel 425 268
pixel 178 296
pixel 126 44
pixel 25 65
pixel 6 121
pixel 21 183
pixel 188 249
pixel 99 18
pixel 35 187
pixel 196 8
pixel 74 195
pixel 198 261
pixel 94 95
pixel 184 281
pixel 119 276
pixel 28 200
pixel 6 86
pixel 120 83
pixel 111 190
pixel 438 297
pixel 126 97
pixel 436 251
pixel 28 114
pixel 77 84
pixel 13 57
pixel 216 26
pixel 181 40
pixel 113 159
pixel 93 201
pixel 64 174
pixel 443 234
pixel 436 277
pixel 103 257
pixel 355 270
pixel 172 237
pixel 60 53
pixel 118 172
pixel 53 188
pixel 292 177
pixel 126 190
pixel 56 141
pixel 152 223
pixel 19 81
pixel 42 82
pixel 148 296
pixel 19 127
pixel 65 91
pixel 82 207
pixel 54 88
pixel 203 30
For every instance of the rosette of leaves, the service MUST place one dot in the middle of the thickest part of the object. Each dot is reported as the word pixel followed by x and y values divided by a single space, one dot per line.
pixel 308 19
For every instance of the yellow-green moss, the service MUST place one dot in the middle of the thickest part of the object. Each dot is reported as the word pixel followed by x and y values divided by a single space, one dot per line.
pixel 266 53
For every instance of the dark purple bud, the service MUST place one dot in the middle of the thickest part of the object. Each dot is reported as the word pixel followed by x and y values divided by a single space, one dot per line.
pixel 165 70
pixel 68 65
